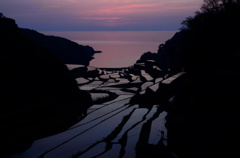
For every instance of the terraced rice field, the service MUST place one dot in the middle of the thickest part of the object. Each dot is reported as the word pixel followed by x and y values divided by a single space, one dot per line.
pixel 111 129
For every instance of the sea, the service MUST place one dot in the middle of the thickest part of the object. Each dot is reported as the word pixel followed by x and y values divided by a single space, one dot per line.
pixel 119 48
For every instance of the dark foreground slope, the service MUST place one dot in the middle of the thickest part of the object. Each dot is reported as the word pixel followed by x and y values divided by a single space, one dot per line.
pixel 68 51
pixel 39 96
pixel 203 119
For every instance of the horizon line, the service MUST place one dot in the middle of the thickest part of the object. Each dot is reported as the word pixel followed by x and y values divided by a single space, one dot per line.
pixel 105 30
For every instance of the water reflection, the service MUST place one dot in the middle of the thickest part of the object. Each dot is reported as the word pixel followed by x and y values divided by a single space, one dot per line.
pixel 119 48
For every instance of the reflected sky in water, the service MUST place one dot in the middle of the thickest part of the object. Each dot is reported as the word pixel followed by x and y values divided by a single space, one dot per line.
pixel 119 48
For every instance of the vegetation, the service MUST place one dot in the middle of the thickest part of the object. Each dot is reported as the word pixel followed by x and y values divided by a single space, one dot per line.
pixel 68 51
pixel 213 36
pixel 39 96
pixel 208 39
pixel 203 119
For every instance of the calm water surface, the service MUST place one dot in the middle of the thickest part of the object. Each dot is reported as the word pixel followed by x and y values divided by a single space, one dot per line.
pixel 119 48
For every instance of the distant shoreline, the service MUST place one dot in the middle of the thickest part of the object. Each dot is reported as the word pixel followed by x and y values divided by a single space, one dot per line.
pixel 119 49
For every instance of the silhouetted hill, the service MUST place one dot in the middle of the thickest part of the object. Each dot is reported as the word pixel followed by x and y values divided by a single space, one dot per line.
pixel 203 119
pixel 69 51
pixel 39 96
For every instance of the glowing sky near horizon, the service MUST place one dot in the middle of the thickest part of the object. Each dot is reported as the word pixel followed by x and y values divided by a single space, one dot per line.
pixel 110 15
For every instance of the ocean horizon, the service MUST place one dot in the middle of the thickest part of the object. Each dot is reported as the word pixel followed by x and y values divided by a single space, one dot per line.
pixel 119 48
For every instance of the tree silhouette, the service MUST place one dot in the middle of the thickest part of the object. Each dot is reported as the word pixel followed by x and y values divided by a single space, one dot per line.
pixel 211 9
pixel 210 46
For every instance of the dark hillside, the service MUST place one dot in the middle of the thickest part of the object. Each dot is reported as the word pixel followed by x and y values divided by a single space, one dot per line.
pixel 39 97
pixel 203 119
pixel 68 51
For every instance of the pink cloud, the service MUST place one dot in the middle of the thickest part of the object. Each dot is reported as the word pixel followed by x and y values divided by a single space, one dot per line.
pixel 105 21
pixel 128 8
pixel 135 13
pixel 101 18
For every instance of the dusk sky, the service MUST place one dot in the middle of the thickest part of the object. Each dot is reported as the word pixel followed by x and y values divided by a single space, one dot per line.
pixel 99 15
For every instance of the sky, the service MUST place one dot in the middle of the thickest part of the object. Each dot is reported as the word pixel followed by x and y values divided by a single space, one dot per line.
pixel 99 15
